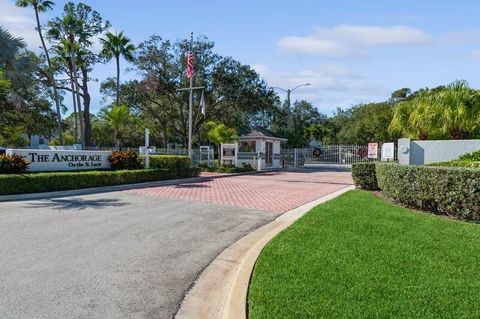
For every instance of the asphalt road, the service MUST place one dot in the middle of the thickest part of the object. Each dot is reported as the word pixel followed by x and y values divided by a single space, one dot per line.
pixel 111 255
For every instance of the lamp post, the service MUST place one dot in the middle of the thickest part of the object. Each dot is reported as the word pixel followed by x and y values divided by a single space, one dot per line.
pixel 289 91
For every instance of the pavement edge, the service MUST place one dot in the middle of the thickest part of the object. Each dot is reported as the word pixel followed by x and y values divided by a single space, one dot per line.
pixel 221 290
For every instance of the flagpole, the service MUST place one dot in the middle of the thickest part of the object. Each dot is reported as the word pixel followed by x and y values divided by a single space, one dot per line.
pixel 190 106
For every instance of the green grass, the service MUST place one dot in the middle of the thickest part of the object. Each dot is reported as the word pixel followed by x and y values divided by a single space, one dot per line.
pixel 358 256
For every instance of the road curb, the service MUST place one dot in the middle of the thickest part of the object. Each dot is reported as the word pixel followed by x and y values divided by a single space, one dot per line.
pixel 221 290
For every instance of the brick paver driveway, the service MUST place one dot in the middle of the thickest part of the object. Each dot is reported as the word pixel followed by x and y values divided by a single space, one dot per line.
pixel 134 254
pixel 277 191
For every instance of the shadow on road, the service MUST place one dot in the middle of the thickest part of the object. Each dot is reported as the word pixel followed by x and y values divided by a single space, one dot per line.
pixel 193 185
pixel 78 203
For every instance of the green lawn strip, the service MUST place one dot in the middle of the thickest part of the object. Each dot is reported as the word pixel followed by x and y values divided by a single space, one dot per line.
pixel 358 256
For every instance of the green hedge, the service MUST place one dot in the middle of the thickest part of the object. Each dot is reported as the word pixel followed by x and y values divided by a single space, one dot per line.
pixel 168 161
pixel 442 190
pixel 57 181
pixel 364 175
pixel 458 163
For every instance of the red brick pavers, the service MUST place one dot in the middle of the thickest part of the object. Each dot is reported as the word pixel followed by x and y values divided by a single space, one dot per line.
pixel 278 191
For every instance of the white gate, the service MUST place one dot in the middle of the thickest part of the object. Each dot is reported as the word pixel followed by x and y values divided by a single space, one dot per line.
pixel 328 154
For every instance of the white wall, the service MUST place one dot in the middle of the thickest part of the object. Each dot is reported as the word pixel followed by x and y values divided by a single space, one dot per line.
pixel 425 152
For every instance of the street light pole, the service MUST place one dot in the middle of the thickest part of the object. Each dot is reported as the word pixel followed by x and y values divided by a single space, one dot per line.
pixel 289 91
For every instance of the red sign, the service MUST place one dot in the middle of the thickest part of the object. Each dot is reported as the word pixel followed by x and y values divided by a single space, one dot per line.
pixel 372 150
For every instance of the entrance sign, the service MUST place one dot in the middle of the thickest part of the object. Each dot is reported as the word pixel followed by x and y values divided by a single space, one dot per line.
pixel 57 160
pixel 388 151
pixel 373 150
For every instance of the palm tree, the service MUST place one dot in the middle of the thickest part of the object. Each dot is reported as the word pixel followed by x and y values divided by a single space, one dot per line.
pixel 43 6
pixel 63 56
pixel 10 46
pixel 457 110
pixel 450 112
pixel 114 46
pixel 66 29
pixel 117 117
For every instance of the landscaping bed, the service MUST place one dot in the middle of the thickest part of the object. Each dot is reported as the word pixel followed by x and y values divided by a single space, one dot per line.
pixel 58 181
pixel 359 256
pixel 127 168
pixel 452 191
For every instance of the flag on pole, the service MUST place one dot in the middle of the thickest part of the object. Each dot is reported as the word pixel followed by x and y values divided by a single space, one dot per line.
pixel 190 65
pixel 202 104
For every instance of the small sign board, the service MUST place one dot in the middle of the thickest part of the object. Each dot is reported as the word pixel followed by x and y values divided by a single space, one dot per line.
pixel 59 160
pixel 228 153
pixel 388 151
pixel 373 150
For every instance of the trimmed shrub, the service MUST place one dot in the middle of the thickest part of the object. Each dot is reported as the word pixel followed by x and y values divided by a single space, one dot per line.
pixel 57 181
pixel 472 157
pixel 364 176
pixel 13 164
pixel 442 190
pixel 458 163
pixel 231 169
pixel 168 161
pixel 125 160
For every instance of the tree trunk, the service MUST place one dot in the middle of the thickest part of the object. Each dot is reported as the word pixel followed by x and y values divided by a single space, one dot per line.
pixel 51 79
pixel 86 107
pixel 117 139
pixel 75 124
pixel 117 58
pixel 75 79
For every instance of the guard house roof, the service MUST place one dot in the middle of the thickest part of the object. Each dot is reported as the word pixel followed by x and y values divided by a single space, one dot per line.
pixel 258 132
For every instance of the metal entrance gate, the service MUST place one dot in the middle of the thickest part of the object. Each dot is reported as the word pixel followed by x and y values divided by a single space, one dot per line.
pixel 327 154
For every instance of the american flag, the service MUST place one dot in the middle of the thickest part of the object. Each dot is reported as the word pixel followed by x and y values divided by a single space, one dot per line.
pixel 190 65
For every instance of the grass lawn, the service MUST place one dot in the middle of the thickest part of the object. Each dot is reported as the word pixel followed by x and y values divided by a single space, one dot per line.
pixel 358 256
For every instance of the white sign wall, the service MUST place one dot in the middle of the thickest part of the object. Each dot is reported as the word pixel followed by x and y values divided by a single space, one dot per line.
pixel 59 160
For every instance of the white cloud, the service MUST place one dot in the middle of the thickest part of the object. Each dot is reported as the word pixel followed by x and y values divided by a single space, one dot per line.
pixel 346 40
pixel 475 54
pixel 20 22
pixel 331 85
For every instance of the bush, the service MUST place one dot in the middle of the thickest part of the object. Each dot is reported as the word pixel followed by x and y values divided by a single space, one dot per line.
pixel 125 160
pixel 442 190
pixel 57 181
pixel 364 176
pixel 13 164
pixel 231 169
pixel 458 163
pixel 169 161
pixel 472 157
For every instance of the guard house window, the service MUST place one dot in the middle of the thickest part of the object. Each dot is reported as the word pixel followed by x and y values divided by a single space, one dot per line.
pixel 247 146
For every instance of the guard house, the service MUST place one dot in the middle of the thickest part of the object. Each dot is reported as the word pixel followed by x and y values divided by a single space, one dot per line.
pixel 257 146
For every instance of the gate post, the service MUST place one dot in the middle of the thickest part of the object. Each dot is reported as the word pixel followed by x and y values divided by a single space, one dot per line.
pixel 295 158
pixel 340 154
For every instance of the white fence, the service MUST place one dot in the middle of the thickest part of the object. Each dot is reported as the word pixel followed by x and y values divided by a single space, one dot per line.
pixel 329 154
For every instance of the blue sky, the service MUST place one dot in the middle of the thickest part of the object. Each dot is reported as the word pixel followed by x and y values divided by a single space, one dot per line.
pixel 350 51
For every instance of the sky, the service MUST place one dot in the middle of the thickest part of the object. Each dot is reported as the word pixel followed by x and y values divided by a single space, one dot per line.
pixel 351 51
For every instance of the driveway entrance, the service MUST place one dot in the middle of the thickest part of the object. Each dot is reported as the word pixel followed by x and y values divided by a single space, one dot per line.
pixel 134 254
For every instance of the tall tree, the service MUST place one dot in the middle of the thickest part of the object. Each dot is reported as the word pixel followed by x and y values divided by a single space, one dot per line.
pixel 115 46
pixel 42 6
pixel 79 24
pixel 235 94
